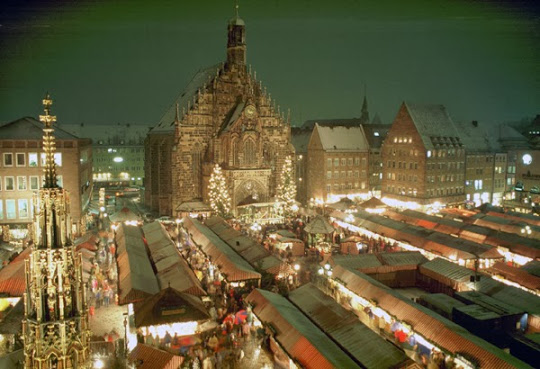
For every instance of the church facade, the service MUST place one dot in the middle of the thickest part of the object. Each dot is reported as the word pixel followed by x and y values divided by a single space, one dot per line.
pixel 226 117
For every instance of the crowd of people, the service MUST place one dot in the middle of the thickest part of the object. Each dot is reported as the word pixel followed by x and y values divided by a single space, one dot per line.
pixel 103 278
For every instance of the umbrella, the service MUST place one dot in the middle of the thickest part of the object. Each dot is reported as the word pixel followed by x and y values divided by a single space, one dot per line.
pixel 240 317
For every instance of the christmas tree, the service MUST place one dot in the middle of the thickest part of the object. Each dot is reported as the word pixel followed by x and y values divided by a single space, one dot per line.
pixel 220 200
pixel 286 191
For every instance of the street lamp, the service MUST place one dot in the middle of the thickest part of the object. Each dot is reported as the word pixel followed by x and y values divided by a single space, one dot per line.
pixel 526 230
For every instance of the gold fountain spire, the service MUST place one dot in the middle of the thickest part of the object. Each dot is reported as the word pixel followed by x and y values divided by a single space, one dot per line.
pixel 49 145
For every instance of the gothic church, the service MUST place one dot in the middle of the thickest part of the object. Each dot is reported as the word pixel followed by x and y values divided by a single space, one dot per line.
pixel 224 116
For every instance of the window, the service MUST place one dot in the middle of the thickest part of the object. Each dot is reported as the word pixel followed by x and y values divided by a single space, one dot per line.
pixel 343 174
pixel 8 159
pixel 343 162
pixel 329 162
pixel 349 174
pixel 329 174
pixel 60 181
pixel 349 162
pixel 336 174
pixel 58 158
pixel 23 208
pixel 21 183
pixel 34 182
pixel 10 183
pixel 356 161
pixel 21 159
pixel 1 210
pixel 364 162
pixel 328 188
pixel 355 174
pixel 10 209
pixel 42 159
pixel 33 159
pixel 336 162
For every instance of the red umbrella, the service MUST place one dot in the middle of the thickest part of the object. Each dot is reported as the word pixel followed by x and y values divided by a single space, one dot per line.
pixel 240 317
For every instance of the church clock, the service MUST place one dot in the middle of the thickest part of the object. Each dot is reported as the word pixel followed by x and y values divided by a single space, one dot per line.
pixel 250 111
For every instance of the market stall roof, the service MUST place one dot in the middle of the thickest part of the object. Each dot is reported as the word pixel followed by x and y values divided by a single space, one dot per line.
pixel 252 251
pixel 373 203
pixel 517 275
pixel 149 357
pixel 13 277
pixel 194 207
pixel 442 302
pixel 136 279
pixel 343 326
pixel 303 340
pixel 172 270
pixel 169 306
pixel 124 215
pixel 446 334
pixel 457 277
pixel 230 263
pixel 319 225
pixel 359 261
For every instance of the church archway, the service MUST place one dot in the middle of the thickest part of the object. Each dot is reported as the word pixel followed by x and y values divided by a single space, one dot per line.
pixel 250 190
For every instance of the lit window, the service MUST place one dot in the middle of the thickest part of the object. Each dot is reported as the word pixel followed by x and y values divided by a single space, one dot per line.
pixel 21 159
pixel 8 159
pixel 23 208
pixel 336 162
pixel 34 182
pixel 58 158
pixel 1 210
pixel 9 183
pixel 329 174
pixel 21 183
pixel 376 134
pixel 60 181
pixel 329 162
pixel 429 153
pixel 33 159
pixel 11 213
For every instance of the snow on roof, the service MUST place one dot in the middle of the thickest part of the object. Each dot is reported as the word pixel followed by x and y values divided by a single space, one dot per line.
pixel 29 128
pixel 342 138
pixel 478 137
pixel 166 122
pixel 432 121
pixel 239 108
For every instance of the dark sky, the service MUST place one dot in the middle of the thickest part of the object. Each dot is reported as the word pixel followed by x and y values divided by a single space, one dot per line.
pixel 125 61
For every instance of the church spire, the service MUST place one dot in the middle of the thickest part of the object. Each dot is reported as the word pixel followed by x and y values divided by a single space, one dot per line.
pixel 49 145
pixel 364 118
pixel 236 42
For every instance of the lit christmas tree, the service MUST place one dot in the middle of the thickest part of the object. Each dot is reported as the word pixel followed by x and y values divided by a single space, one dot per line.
pixel 220 200
pixel 286 191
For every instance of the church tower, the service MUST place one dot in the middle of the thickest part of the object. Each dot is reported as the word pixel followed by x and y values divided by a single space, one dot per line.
pixel 55 325
pixel 236 43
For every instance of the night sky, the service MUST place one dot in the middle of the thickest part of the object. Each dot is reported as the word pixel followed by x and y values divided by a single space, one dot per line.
pixel 126 61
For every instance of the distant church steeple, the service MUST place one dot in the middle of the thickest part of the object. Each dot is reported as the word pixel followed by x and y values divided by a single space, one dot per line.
pixel 236 42
pixel 365 114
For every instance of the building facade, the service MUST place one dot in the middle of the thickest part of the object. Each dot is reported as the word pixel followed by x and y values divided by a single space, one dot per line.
pixel 485 165
pixel 300 139
pixel 22 162
pixel 55 327
pixel 337 164
pixel 118 152
pixel 226 117
pixel 423 159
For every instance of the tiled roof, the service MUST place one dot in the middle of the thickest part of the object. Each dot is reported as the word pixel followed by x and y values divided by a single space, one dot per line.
pixel 375 134
pixel 433 123
pixel 12 276
pixel 478 137
pixel 230 263
pixel 446 334
pixel 166 123
pixel 172 270
pixel 341 138
pixel 136 279
pixel 518 275
pixel 169 306
pixel 364 345
pixel 148 357
pixel 302 340
pixel 29 128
